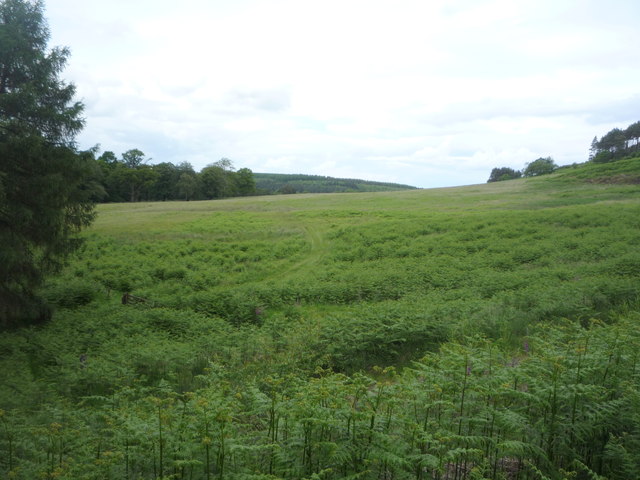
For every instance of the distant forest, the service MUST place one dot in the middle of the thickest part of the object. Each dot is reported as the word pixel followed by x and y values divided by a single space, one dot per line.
pixel 268 183
pixel 130 178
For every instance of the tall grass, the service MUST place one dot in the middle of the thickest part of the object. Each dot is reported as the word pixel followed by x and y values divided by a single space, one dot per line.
pixel 467 333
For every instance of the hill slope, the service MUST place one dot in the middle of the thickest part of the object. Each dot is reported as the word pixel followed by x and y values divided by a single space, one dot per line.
pixel 290 183
pixel 488 331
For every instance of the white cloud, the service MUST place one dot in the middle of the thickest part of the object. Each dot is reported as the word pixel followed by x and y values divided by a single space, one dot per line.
pixel 426 93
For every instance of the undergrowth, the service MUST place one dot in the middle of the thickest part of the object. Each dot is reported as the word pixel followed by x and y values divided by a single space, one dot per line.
pixel 484 332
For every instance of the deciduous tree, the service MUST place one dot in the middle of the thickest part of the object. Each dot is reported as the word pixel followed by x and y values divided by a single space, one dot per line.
pixel 245 183
pixel 540 166
pixel 187 185
pixel 503 173
pixel 137 176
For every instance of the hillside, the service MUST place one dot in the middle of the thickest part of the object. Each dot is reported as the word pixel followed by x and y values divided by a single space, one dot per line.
pixel 488 331
pixel 297 183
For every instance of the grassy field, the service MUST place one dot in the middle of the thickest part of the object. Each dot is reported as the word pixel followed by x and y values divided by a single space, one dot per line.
pixel 487 331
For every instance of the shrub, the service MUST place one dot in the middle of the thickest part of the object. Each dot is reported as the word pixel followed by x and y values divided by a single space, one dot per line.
pixel 72 293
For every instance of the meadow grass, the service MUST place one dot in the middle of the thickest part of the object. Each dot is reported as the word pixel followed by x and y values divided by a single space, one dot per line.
pixel 486 331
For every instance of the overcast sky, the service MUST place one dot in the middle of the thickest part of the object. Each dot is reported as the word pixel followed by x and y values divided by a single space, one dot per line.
pixel 429 92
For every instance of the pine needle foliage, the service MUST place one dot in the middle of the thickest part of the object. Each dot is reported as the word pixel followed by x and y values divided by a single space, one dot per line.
pixel 47 187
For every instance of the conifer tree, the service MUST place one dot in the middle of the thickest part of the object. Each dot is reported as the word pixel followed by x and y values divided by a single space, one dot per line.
pixel 594 149
pixel 46 185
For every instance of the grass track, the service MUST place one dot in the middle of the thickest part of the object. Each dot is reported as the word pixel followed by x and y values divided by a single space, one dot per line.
pixel 276 313
pixel 318 248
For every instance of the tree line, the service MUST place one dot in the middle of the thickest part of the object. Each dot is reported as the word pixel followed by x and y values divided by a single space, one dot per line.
pixel 269 183
pixel 540 166
pixel 131 178
pixel 616 144
pixel 48 187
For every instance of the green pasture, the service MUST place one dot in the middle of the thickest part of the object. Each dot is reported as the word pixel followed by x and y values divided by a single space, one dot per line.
pixel 485 331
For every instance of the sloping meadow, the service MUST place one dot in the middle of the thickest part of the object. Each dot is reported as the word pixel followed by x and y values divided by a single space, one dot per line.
pixel 475 332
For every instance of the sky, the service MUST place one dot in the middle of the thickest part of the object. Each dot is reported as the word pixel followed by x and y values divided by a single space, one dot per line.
pixel 430 93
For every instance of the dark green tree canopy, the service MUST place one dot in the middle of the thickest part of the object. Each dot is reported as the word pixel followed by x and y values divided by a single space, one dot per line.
pixel 108 158
pixel 503 173
pixel 47 187
pixel 214 181
pixel 632 135
pixel 245 183
pixel 616 144
pixel 540 166
pixel 130 179
pixel 33 99
pixel 187 185
pixel 133 158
